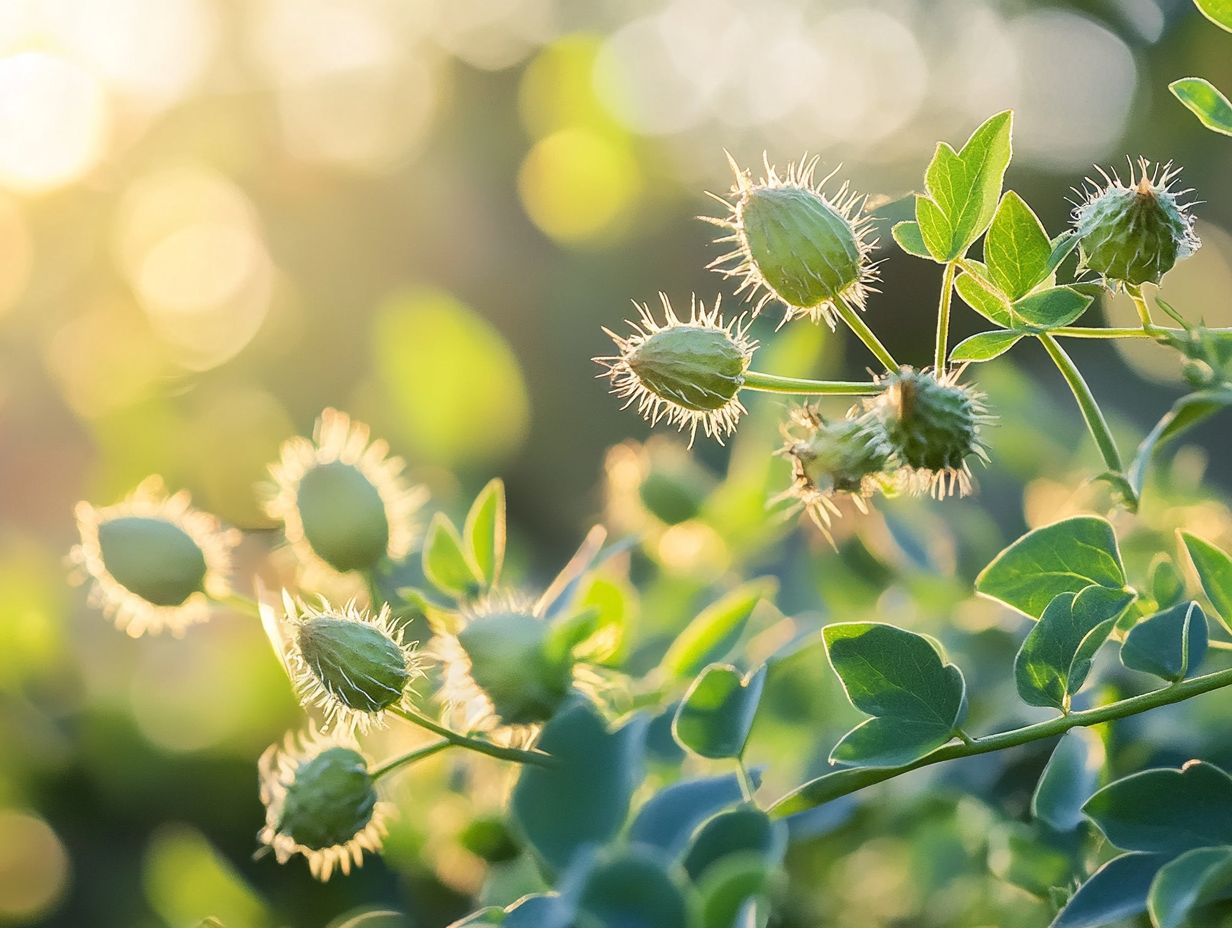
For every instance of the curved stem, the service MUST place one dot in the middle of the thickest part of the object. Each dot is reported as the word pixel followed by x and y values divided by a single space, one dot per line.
pixel 473 744
pixel 943 318
pixel 1144 311
pixel 772 383
pixel 849 780
pixel 410 757
pixel 1096 423
pixel 864 333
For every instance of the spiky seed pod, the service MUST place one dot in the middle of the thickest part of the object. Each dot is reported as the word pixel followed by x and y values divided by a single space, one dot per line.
pixel 341 498
pixel 153 559
pixel 829 458
pixel 794 243
pixel 320 801
pixel 687 372
pixel 1135 234
pixel 502 669
pixel 933 424
pixel 347 662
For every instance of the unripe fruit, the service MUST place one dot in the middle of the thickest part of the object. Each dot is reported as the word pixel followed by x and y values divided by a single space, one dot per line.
pixel 513 665
pixel 358 663
pixel 155 559
pixel 343 516
pixel 330 800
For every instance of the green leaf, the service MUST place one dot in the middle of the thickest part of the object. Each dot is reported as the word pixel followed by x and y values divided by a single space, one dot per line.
pixel 583 798
pixel 825 788
pixel 1170 644
pixel 1017 249
pixel 1031 857
pixel 985 346
pixel 715 631
pixel 1166 811
pixel 916 698
pixel 1070 777
pixel 910 239
pixel 988 303
pixel 1060 558
pixel 1056 656
pixel 1214 569
pixel 735 831
pixel 1185 413
pixel 1062 246
pixel 444 561
pixel 716 715
pixel 1217 11
pixel 1167 585
pixel 963 189
pixel 727 888
pixel 634 887
pixel 1204 100
pixel 1193 880
pixel 484 532
pixel 670 817
pixel 1116 891
pixel 1047 309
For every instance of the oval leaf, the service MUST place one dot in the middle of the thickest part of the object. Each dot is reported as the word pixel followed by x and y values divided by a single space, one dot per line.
pixel 485 531
pixel 1017 248
pixel 985 346
pixel 444 561
pixel 668 818
pixel 716 715
pixel 910 239
pixel 715 631
pixel 1170 644
pixel 1214 569
pixel 1203 99
pixel 1117 890
pixel 1217 11
pixel 1049 308
pixel 634 887
pixel 1070 777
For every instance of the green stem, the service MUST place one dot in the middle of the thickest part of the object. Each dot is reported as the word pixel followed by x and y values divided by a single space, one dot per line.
pixel 410 757
pixel 1091 412
pixel 943 319
pixel 772 383
pixel 1079 331
pixel 746 782
pixel 850 780
pixel 239 603
pixel 473 744
pixel 864 333
pixel 1144 311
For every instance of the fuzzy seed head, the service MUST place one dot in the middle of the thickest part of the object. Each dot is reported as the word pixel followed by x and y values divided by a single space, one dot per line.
pixel 1135 234
pixel 687 372
pixel 933 424
pixel 795 244
pixel 153 559
pixel 321 802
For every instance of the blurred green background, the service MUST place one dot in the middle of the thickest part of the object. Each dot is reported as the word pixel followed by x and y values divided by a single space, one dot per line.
pixel 218 217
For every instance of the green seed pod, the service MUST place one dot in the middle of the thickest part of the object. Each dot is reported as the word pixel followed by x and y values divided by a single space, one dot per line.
pixel 1135 235
pixel 343 516
pixel 155 559
pixel 933 424
pixel 512 664
pixel 330 800
pixel 795 244
pixel 689 372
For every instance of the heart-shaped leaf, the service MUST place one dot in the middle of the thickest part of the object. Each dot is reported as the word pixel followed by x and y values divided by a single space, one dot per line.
pixel 716 715
pixel 1169 644
pixel 916 698
pixel 1056 656
pixel 743 829
pixel 1016 249
pixel 1070 777
pixel 1117 890
pixel 1166 811
pixel 1214 569
pixel 1060 558
pixel 1205 101
pixel 668 819
pixel 1185 885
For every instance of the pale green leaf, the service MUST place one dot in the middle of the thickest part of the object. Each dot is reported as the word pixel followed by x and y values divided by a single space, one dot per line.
pixel 1205 101
pixel 1217 11
pixel 988 303
pixel 1214 569
pixel 445 562
pixel 985 346
pixel 715 631
pixel 484 532
pixel 910 239
pixel 1016 249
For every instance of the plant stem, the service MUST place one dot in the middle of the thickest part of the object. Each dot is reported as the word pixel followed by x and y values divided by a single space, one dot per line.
pixel 1091 412
pixel 474 744
pixel 746 782
pixel 772 383
pixel 1144 311
pixel 864 333
pixel 1079 331
pixel 849 780
pixel 239 603
pixel 410 757
pixel 943 318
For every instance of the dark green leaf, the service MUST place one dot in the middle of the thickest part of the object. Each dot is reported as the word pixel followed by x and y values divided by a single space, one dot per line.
pixel 1214 569
pixel 542 910
pixel 1217 11
pixel 444 561
pixel 484 532
pixel 1170 644
pixel 1016 248
pixel 1204 100
pixel 669 818
pixel 715 631
pixel 584 797
pixel 1185 885
pixel 727 888
pixel 1049 308
pixel 1060 558
pixel 716 715
pixel 1056 656
pixel 985 301
pixel 743 829
pixel 985 346
pixel 1185 413
pixel 1116 891
pixel 634 887
pixel 916 698
pixel 910 239
pixel 1070 777
pixel 1167 584
pixel 826 788
pixel 1166 811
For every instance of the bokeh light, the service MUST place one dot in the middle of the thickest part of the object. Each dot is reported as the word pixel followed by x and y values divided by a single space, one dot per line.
pixel 34 867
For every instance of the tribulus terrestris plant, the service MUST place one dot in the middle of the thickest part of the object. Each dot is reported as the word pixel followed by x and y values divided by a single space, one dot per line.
pixel 632 797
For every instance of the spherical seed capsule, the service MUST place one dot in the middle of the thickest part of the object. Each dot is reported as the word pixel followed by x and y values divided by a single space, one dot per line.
pixel 1135 234
pixel 795 244
pixel 687 372
pixel 153 559
pixel 341 498
pixel 321 802
pixel 933 424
